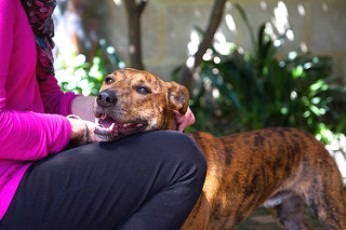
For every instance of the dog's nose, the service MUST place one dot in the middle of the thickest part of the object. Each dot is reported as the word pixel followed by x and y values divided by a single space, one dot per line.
pixel 106 98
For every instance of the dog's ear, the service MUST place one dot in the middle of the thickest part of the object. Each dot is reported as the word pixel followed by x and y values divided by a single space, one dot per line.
pixel 178 97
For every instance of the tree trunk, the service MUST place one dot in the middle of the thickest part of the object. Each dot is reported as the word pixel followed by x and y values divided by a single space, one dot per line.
pixel 87 23
pixel 134 12
pixel 214 22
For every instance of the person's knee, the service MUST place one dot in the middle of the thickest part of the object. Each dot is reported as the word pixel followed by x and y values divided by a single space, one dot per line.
pixel 179 147
pixel 172 147
pixel 188 150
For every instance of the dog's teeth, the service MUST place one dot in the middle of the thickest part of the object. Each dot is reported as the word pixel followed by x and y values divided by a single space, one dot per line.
pixel 112 126
pixel 139 125
pixel 126 125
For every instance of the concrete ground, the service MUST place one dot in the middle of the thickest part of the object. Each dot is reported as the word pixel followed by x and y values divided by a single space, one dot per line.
pixel 262 220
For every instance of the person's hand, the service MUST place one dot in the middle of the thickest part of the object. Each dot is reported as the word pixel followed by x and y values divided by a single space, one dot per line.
pixel 82 132
pixel 185 120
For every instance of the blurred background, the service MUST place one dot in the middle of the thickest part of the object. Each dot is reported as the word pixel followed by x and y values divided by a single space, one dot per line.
pixel 248 64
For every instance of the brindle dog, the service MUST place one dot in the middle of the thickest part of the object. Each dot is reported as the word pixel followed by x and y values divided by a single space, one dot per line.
pixel 283 168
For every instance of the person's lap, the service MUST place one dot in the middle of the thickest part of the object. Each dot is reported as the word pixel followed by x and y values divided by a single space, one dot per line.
pixel 146 181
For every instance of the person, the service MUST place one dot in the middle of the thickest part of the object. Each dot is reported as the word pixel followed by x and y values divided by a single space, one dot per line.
pixel 145 181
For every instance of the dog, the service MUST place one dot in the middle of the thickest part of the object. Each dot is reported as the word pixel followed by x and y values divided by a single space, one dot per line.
pixel 282 168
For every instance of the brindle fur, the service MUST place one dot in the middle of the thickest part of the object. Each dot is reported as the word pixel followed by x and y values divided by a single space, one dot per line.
pixel 285 167
pixel 245 170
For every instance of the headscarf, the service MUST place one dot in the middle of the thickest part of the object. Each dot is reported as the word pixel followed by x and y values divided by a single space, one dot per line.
pixel 39 13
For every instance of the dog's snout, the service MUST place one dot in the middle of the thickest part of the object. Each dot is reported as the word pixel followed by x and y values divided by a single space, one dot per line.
pixel 106 98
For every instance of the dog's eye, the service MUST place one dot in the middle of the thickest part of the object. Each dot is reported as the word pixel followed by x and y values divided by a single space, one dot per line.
pixel 142 90
pixel 108 80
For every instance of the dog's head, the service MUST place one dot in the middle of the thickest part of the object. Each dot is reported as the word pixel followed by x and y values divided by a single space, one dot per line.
pixel 134 101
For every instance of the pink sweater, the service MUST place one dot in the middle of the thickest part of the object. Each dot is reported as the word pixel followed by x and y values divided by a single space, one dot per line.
pixel 27 133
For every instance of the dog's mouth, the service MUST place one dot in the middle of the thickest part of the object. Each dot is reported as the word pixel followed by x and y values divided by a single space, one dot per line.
pixel 118 129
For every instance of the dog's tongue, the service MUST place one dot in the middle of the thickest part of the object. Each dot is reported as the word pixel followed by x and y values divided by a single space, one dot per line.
pixel 105 121
pixel 116 128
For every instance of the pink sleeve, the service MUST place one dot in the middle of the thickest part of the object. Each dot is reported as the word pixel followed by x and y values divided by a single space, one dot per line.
pixel 7 13
pixel 25 135
pixel 54 100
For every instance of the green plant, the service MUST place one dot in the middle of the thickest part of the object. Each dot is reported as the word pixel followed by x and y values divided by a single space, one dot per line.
pixel 247 90
pixel 82 77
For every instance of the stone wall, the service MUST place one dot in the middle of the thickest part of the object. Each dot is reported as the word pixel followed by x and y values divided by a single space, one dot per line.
pixel 319 26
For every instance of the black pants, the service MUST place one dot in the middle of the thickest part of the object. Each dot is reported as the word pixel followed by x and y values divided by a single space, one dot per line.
pixel 145 181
